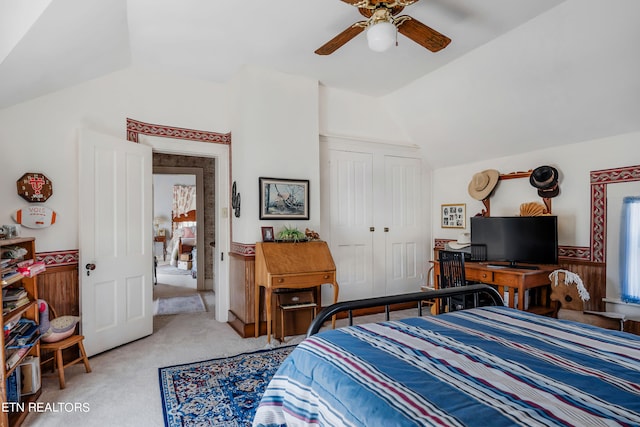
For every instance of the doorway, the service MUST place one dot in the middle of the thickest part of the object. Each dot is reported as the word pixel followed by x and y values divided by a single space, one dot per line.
pixel 178 227
pixel 216 195
pixel 199 223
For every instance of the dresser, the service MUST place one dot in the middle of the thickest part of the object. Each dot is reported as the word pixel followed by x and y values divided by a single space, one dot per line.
pixel 280 265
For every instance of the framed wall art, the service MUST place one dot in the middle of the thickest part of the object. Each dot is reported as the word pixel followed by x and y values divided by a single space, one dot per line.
pixel 267 234
pixel 284 198
pixel 454 215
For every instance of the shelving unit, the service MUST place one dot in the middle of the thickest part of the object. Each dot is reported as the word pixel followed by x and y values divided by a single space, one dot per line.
pixel 28 310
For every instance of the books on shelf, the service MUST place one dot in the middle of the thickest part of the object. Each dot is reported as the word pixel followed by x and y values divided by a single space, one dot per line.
pixel 14 356
pixel 13 298
pixel 30 267
pixel 19 338
pixel 10 278
pixel 14 387
pixel 24 334
pixel 10 306
pixel 21 332
pixel 13 294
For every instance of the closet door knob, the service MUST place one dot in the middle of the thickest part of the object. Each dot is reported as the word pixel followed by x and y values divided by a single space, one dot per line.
pixel 372 229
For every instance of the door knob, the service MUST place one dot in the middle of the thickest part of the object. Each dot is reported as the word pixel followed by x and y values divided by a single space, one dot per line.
pixel 90 267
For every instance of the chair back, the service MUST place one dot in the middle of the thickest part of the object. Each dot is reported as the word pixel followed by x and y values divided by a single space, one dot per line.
pixel 451 269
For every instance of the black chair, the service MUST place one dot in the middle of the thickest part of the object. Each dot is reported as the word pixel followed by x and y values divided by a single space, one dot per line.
pixel 452 274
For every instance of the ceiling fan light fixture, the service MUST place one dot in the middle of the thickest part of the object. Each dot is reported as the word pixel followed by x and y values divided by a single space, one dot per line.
pixel 381 36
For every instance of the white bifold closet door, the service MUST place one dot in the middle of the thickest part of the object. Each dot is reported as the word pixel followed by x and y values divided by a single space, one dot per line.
pixel 372 207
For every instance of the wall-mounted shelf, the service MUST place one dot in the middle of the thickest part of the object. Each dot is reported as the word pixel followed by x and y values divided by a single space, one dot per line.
pixel 514 175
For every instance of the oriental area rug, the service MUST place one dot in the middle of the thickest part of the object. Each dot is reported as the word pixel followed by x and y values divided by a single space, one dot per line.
pixel 218 392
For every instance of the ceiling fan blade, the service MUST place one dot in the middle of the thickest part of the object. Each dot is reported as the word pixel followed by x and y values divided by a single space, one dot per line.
pixel 342 38
pixel 423 35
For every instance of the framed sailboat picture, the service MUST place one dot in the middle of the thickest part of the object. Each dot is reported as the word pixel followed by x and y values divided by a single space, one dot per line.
pixel 284 198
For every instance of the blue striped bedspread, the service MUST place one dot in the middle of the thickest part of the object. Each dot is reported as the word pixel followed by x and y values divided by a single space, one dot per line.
pixel 491 366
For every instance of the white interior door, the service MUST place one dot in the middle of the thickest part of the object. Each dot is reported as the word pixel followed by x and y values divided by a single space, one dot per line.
pixel 116 240
pixel 404 223
pixel 351 207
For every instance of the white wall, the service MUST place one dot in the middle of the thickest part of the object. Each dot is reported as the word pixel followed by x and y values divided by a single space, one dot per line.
pixel 565 76
pixel 275 135
pixel 274 120
pixel 40 135
pixel 572 206
pixel 359 117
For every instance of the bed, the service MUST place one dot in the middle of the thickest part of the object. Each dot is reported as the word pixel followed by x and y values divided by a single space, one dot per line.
pixel 483 366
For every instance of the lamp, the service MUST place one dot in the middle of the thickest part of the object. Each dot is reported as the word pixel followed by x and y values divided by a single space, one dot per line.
pixel 157 221
pixel 381 35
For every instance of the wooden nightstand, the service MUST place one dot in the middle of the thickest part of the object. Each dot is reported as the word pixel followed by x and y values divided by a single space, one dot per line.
pixel 163 240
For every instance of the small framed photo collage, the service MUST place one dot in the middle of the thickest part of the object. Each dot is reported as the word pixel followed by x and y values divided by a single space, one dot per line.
pixel 453 216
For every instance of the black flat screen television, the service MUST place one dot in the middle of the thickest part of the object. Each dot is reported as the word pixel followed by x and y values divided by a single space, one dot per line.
pixel 517 239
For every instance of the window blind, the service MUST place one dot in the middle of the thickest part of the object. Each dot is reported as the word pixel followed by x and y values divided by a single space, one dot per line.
pixel 630 250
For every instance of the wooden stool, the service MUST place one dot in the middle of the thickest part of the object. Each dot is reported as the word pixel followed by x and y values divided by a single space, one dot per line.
pixel 58 347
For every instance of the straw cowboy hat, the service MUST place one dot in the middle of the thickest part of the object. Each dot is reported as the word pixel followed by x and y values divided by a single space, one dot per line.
pixel 545 179
pixel 483 183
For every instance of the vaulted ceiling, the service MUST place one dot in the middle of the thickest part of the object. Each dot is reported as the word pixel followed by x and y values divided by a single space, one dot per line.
pixel 517 74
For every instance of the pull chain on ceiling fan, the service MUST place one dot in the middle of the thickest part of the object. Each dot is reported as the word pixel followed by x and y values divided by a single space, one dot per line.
pixel 382 27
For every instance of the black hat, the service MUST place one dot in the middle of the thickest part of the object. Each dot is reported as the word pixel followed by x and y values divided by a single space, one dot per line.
pixel 545 179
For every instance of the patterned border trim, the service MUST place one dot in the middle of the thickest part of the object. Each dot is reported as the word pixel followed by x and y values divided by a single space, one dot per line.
pixel 135 127
pixel 599 180
pixel 243 248
pixel 439 243
pixel 574 253
pixel 59 258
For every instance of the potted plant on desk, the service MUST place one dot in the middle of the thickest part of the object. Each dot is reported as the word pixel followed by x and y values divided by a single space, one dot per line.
pixel 291 234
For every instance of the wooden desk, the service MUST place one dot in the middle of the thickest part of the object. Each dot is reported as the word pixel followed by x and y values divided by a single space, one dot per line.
pixel 518 280
pixel 294 266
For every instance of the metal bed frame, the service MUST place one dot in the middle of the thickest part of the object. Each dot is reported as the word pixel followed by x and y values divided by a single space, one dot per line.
pixel 418 297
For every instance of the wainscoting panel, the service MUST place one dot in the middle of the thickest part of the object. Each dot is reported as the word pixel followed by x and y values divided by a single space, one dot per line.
pixel 59 286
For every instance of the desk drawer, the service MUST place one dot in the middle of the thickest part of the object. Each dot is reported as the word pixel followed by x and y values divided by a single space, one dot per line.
pixel 479 276
pixel 303 280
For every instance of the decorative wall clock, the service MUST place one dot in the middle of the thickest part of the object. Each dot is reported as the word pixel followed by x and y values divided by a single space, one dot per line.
pixel 35 187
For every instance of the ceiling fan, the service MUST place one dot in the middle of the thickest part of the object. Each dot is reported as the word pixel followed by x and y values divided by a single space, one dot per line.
pixel 382 24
